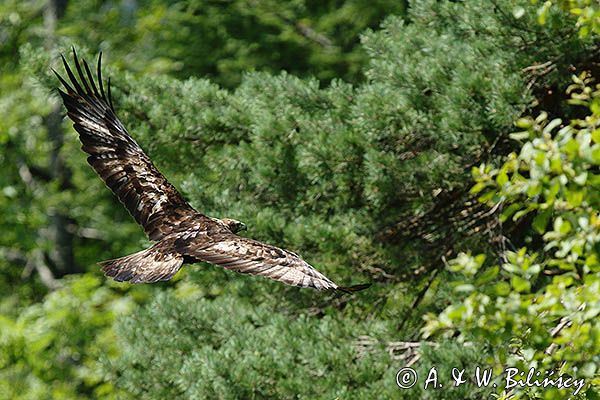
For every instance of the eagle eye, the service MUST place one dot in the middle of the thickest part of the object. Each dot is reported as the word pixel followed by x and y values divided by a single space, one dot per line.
pixel 234 225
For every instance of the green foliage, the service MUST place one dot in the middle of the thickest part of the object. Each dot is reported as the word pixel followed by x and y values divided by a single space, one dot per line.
pixel 222 40
pixel 252 353
pixel 53 349
pixel 322 170
pixel 540 306
pixel 289 157
pixel 255 353
pixel 323 166
pixel 586 11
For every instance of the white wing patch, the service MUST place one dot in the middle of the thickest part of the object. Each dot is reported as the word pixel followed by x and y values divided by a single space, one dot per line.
pixel 248 256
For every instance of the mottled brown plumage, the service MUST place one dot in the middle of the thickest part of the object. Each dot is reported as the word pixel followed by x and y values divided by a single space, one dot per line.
pixel 182 233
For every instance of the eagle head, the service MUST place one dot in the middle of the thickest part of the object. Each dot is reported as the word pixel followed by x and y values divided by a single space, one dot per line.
pixel 234 225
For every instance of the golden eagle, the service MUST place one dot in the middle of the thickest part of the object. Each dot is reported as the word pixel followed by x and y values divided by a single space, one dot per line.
pixel 182 233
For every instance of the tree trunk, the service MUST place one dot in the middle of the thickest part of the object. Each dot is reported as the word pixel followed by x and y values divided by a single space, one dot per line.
pixel 60 231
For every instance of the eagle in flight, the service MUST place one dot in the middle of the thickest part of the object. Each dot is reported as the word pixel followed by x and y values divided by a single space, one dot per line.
pixel 182 234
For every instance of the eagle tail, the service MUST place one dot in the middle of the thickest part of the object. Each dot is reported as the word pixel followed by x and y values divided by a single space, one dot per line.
pixel 151 265
pixel 352 289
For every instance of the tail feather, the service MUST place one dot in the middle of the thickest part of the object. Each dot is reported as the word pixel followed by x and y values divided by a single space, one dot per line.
pixel 151 265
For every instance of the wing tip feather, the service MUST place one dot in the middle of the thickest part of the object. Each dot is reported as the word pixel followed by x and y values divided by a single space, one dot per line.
pixel 85 86
pixel 354 288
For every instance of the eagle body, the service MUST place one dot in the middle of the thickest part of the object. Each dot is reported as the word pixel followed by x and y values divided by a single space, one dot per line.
pixel 182 234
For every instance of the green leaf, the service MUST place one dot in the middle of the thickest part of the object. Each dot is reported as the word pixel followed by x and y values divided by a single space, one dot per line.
pixel 596 155
pixel 521 213
pixel 551 125
pixel 519 284
pixel 464 288
pixel 540 222
pixel 523 135
pixel 487 276
pixel 518 12
pixel 596 135
pixel 502 178
pixel 478 187
pixel 507 212
pixel 502 289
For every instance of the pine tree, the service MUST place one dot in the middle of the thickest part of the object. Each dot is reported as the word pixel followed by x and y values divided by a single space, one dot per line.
pixel 325 171
pixel 368 181
pixel 57 218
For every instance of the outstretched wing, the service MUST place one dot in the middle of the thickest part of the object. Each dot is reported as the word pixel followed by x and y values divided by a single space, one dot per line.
pixel 249 256
pixel 117 158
